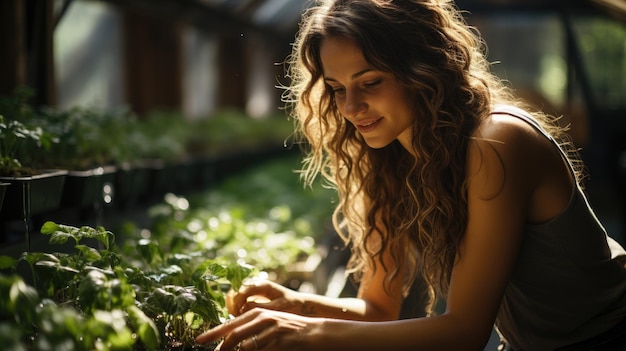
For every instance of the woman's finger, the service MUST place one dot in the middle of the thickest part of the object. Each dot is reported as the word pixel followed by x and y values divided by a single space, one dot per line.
pixel 255 291
pixel 250 344
pixel 234 327
pixel 220 331
pixel 244 337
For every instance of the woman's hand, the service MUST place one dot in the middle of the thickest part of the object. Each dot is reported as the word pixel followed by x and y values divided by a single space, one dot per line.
pixel 265 294
pixel 262 329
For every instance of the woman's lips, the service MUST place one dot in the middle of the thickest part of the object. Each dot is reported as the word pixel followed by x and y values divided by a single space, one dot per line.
pixel 368 126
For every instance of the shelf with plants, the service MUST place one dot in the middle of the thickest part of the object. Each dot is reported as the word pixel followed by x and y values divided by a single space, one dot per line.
pixel 157 287
pixel 116 161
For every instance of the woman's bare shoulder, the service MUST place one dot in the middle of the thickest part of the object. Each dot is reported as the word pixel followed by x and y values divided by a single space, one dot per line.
pixel 506 147
pixel 506 129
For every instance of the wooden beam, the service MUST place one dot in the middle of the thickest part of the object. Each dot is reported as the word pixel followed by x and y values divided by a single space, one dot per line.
pixel 39 29
pixel 152 52
pixel 12 37
pixel 233 71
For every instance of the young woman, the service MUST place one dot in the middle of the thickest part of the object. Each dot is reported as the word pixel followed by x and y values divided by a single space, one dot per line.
pixel 441 174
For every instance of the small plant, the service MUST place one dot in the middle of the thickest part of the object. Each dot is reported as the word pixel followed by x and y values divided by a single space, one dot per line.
pixel 19 135
pixel 13 135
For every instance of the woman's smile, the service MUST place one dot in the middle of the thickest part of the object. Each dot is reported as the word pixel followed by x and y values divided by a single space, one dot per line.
pixel 368 126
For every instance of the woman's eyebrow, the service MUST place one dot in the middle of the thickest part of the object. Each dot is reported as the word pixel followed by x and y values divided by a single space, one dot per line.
pixel 354 76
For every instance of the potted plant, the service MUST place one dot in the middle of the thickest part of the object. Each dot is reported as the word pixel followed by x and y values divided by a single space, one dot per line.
pixel 86 150
pixel 32 190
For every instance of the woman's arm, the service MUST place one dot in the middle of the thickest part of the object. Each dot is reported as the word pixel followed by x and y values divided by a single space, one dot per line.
pixel 373 302
pixel 272 296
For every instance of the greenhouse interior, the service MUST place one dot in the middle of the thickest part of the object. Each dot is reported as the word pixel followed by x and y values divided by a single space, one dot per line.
pixel 147 163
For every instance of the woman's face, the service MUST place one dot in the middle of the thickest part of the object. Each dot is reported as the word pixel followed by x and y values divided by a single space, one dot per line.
pixel 373 101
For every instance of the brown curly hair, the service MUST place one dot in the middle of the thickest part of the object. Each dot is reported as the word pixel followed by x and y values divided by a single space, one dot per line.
pixel 419 202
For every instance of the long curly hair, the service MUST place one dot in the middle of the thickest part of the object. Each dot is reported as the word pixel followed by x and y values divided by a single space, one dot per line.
pixel 416 205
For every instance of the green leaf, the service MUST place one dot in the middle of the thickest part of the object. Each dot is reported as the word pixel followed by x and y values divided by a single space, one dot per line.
pixel 218 270
pixel 102 235
pixel 89 253
pixel 49 227
pixel 7 262
pixel 31 257
pixel 145 328
pixel 60 237
pixel 23 300
pixel 118 336
pixel 205 307
pixel 161 300
pixel 237 273
pixel 105 290
pixel 52 261
pixel 150 251
pixel 178 259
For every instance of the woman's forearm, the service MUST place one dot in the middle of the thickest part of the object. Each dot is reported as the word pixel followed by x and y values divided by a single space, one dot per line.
pixel 431 333
pixel 341 308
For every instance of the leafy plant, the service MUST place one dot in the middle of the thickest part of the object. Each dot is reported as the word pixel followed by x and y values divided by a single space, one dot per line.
pixel 88 138
pixel 19 135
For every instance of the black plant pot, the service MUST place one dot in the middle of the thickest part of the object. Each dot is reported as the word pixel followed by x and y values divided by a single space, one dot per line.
pixel 170 177
pixel 27 197
pixel 33 195
pixel 131 184
pixel 204 172
pixel 86 188
pixel 3 188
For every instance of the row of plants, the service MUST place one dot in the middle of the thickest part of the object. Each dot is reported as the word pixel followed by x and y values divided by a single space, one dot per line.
pixel 40 138
pixel 159 286
pixel 76 155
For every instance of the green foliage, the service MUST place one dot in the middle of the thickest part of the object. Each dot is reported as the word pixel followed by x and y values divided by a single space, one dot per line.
pixel 84 138
pixel 604 55
pixel 96 299
pixel 20 135
pixel 88 138
pixel 263 217
pixel 231 130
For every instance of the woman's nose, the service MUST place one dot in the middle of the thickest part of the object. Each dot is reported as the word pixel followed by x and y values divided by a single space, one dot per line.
pixel 354 104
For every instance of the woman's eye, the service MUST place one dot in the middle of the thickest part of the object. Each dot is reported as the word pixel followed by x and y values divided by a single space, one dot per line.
pixel 373 84
pixel 338 90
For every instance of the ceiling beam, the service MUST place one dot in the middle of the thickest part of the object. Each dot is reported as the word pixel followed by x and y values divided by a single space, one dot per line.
pixel 203 15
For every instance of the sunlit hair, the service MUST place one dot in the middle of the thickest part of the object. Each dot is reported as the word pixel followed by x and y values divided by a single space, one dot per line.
pixel 419 202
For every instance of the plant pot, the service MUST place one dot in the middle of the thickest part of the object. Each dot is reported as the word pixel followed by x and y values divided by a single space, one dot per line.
pixel 3 188
pixel 170 177
pixel 33 195
pixel 86 188
pixel 184 176
pixel 131 184
pixel 204 172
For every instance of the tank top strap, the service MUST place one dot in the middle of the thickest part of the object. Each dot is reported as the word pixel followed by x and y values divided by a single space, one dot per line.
pixel 521 114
